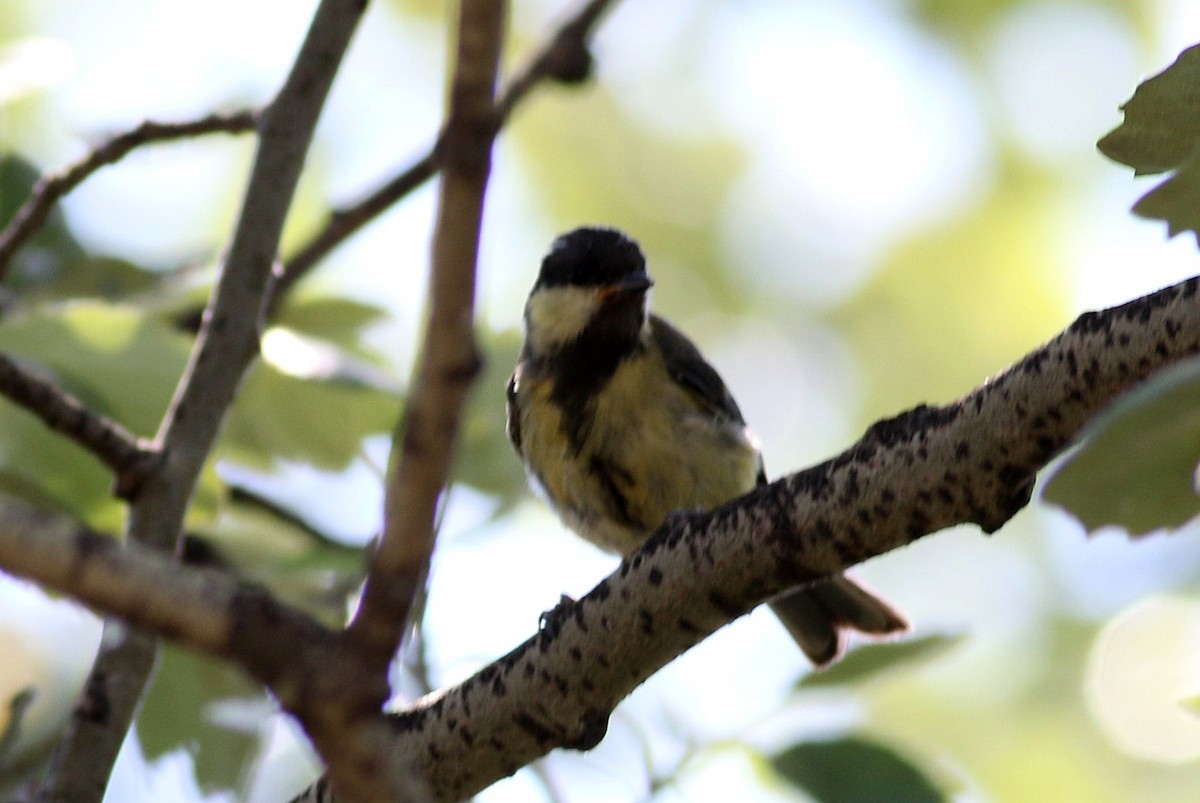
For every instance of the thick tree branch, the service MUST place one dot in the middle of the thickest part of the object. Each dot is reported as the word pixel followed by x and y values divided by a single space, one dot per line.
pixel 49 190
pixel 564 58
pixel 929 468
pixel 227 343
pixel 450 360
pixel 204 609
pixel 971 461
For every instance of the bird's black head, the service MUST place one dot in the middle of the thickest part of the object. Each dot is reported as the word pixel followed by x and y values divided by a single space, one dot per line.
pixel 591 290
pixel 592 257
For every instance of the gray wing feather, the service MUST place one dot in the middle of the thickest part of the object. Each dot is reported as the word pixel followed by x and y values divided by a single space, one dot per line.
pixel 689 369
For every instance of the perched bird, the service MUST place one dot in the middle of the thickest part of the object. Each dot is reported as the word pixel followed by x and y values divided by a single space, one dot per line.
pixel 620 421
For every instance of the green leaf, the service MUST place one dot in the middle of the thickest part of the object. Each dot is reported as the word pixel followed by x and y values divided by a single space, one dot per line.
pixel 1162 120
pixel 854 770
pixel 871 660
pixel 339 321
pixel 264 543
pixel 1176 200
pixel 115 358
pixel 176 714
pixel 52 265
pixel 1161 132
pixel 118 361
pixel 314 421
pixel 99 277
pixel 1136 466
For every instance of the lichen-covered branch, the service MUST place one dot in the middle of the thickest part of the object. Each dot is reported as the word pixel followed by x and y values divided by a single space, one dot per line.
pixel 972 461
pixel 925 470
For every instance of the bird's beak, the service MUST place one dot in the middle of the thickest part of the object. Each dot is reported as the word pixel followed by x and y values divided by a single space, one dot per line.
pixel 633 283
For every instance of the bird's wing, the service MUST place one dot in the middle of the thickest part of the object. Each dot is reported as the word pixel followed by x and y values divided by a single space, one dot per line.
pixel 513 423
pixel 691 371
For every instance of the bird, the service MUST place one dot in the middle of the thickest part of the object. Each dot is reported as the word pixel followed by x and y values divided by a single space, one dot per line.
pixel 620 422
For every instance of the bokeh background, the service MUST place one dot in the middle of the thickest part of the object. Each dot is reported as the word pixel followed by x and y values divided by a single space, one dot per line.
pixel 853 206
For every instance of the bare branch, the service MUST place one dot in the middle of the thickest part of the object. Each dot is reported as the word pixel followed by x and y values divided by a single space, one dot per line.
pixel 118 448
pixel 229 335
pixel 450 360
pixel 49 190
pixel 147 589
pixel 564 58
pixel 200 608
pixel 227 343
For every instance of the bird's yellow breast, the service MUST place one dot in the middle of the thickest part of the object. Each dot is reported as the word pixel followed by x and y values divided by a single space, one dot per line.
pixel 649 448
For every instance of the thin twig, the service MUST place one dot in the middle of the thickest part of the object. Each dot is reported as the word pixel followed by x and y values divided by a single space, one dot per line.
pixel 450 360
pixel 116 446
pixel 564 58
pixel 51 188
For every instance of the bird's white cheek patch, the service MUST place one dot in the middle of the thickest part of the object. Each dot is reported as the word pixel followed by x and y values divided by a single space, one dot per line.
pixel 558 314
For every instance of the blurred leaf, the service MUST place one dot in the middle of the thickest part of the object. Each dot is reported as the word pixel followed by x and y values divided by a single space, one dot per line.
pixel 853 770
pixel 924 327
pixel 45 255
pixel 53 473
pixel 1136 467
pixel 1191 705
pixel 267 544
pixel 339 321
pixel 668 192
pixel 175 716
pixel 1162 120
pixel 486 459
pixel 117 360
pixel 52 265
pixel 870 660
pixel 99 277
pixel 433 10
pixel 282 417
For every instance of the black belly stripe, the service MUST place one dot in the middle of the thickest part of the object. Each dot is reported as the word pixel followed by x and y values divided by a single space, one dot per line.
pixel 606 472
pixel 581 369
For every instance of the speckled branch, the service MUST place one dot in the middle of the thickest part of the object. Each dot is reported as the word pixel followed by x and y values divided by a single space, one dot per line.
pixel 973 461
pixel 929 468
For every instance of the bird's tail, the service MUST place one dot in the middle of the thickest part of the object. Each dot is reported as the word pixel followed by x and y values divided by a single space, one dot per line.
pixel 820 616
